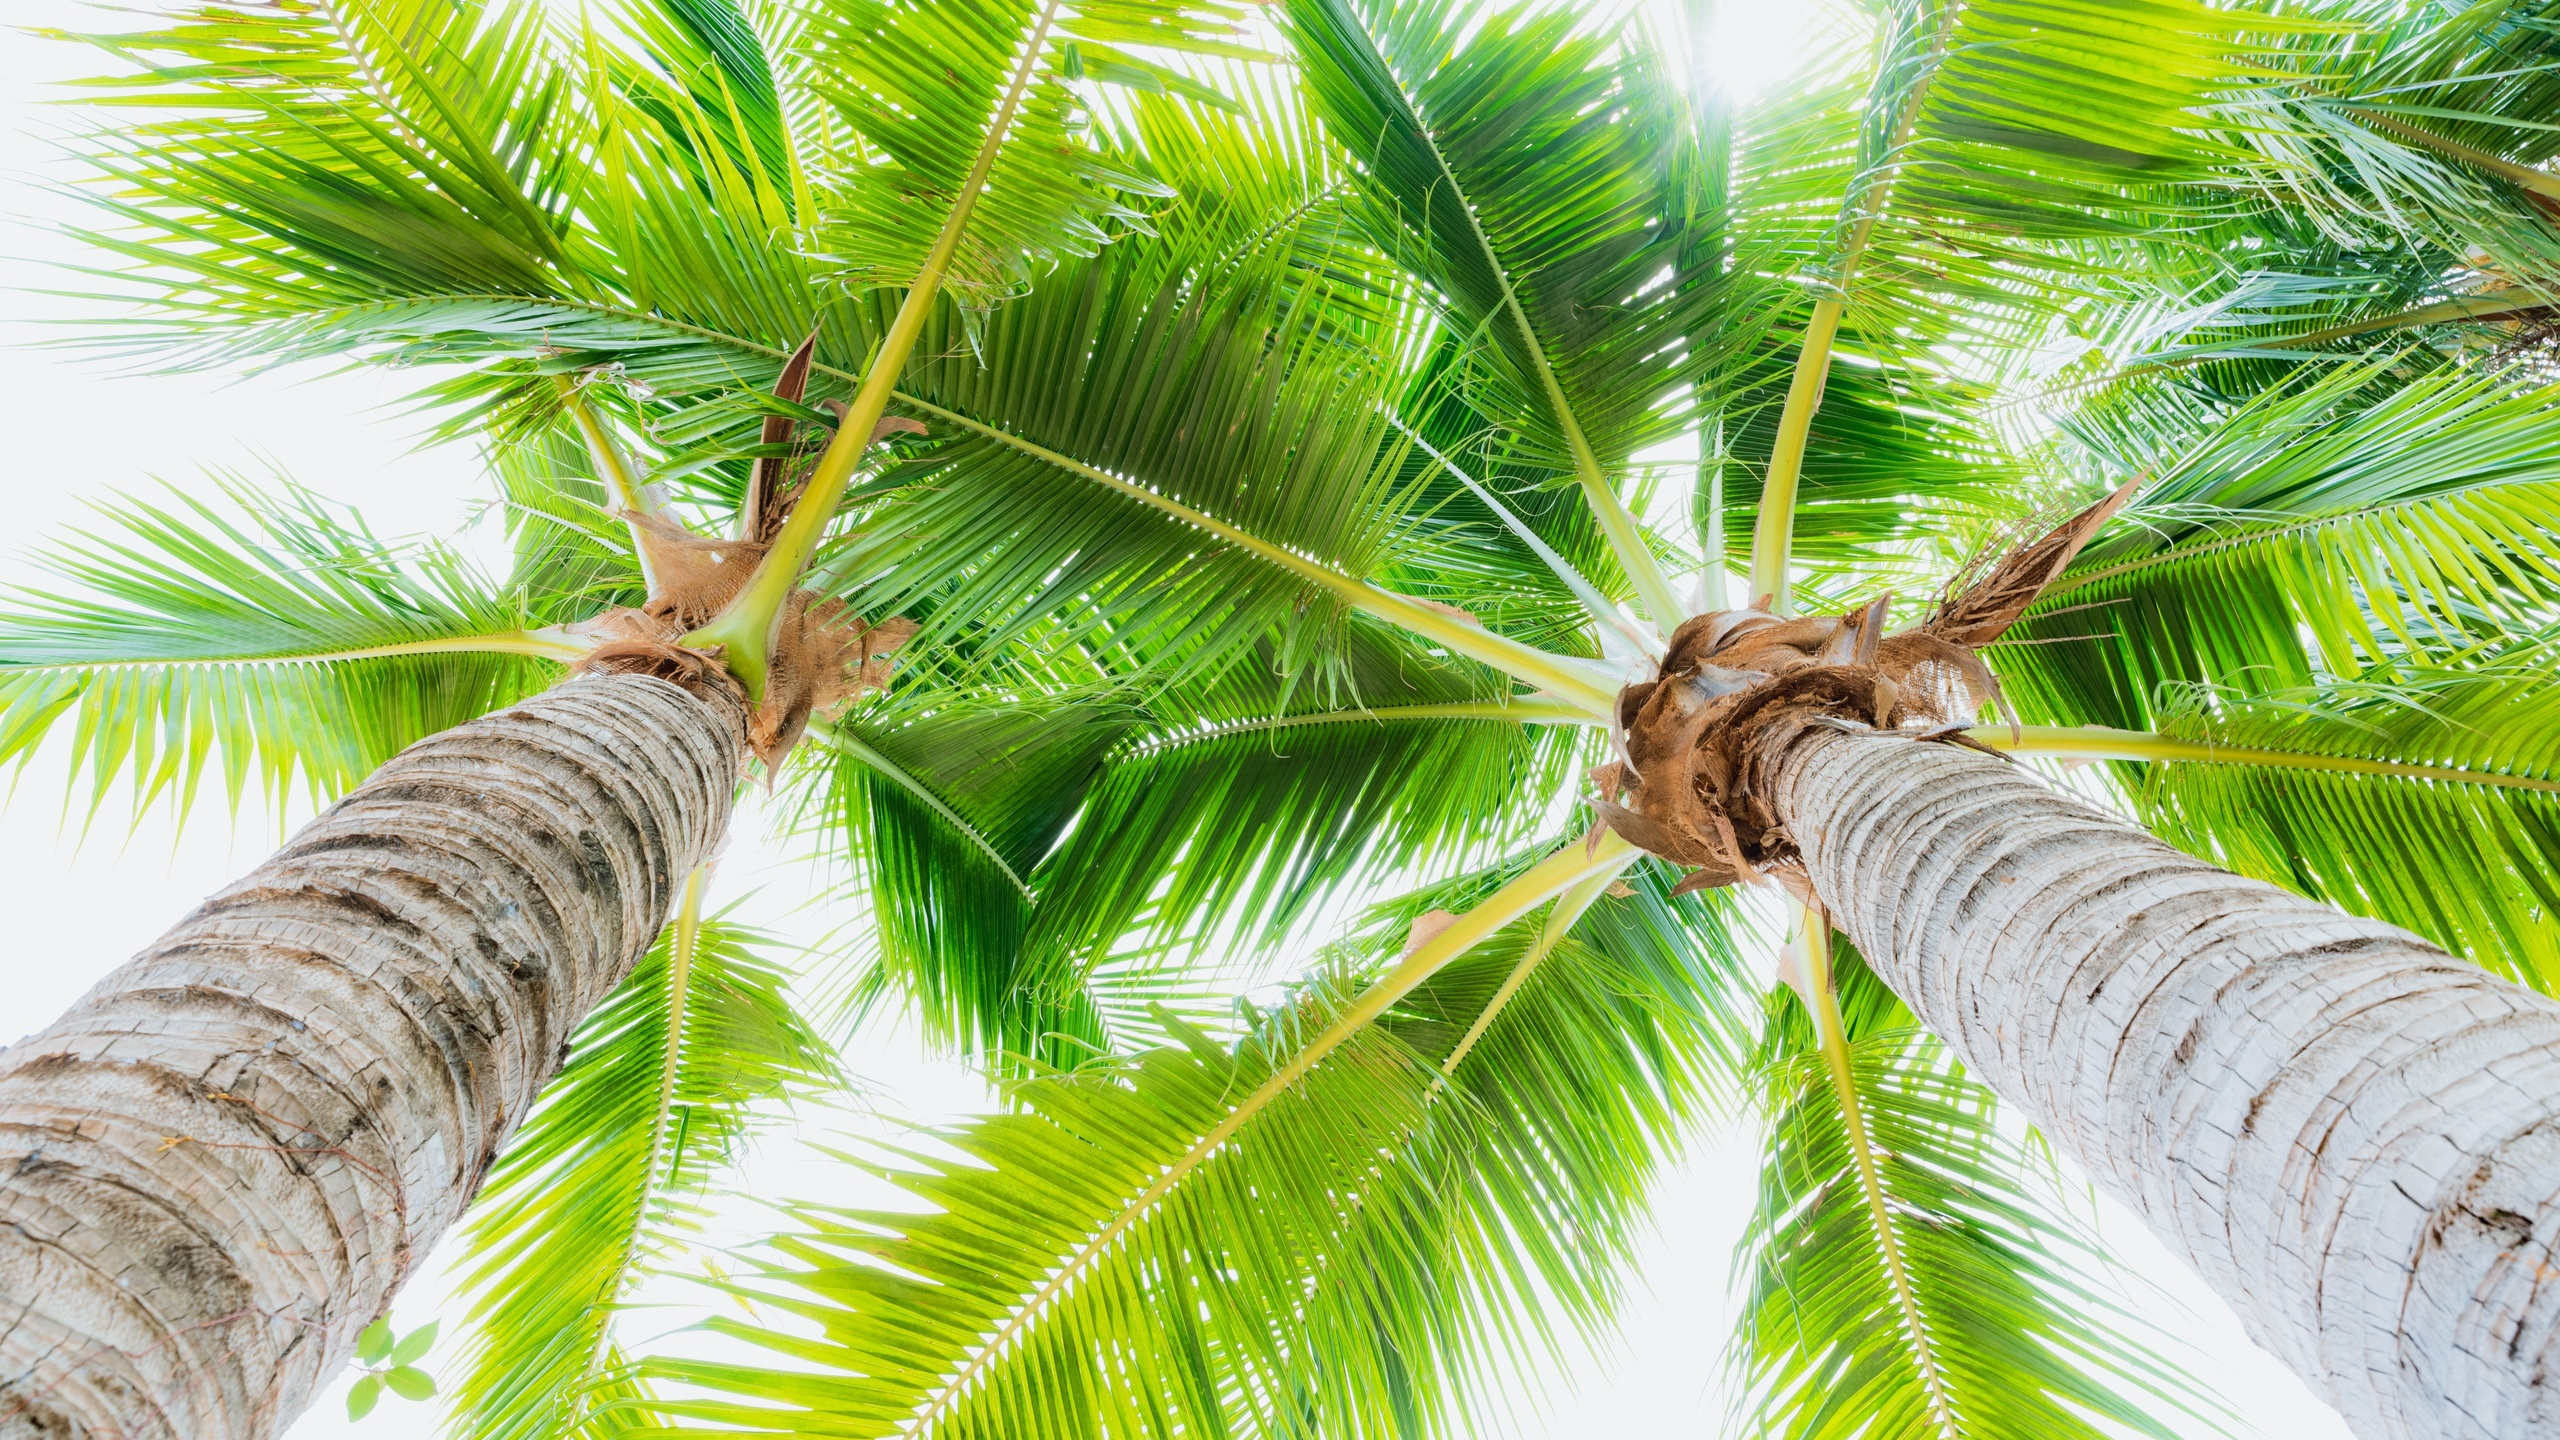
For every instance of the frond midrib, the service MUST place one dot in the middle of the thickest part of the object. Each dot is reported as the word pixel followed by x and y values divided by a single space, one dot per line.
pixel 855 748
pixel 2179 554
pixel 1520 710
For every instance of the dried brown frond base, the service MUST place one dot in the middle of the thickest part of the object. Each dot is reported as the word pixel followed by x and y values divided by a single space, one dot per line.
pixel 825 658
pixel 633 642
pixel 695 577
pixel 824 655
pixel 1736 688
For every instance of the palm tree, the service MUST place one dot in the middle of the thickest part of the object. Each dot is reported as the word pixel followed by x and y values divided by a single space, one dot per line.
pixel 1279 426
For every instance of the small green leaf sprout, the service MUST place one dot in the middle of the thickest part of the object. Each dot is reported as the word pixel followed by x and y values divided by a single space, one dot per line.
pixel 390 1362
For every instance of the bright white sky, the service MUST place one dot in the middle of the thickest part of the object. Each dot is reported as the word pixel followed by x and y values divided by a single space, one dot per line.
pixel 81 430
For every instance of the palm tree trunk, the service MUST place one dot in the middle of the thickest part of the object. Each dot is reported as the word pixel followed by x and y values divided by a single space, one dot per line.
pixel 221 1164
pixel 2353 1136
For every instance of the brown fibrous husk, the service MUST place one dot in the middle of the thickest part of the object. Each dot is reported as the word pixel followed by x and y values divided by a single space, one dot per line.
pixel 825 657
pixel 631 642
pixel 824 654
pixel 1737 688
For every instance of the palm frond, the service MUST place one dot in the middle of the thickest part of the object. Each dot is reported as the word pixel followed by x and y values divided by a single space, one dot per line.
pixel 1995 140
pixel 2320 529
pixel 291 641
pixel 608 1174
pixel 942 815
pixel 1515 164
pixel 2417 126
pixel 1354 1245
pixel 2025 1332
pixel 711 51
pixel 269 162
pixel 2468 855
pixel 2008 134
pixel 918 83
pixel 566 546
pixel 1019 850
pixel 1232 403
pixel 1894 475
pixel 1897 462
pixel 1216 820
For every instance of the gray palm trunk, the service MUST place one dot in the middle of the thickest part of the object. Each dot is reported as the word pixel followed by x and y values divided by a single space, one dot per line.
pixel 224 1161
pixel 2353 1136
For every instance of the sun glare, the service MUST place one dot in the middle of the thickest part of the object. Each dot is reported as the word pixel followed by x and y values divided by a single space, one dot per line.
pixel 1750 45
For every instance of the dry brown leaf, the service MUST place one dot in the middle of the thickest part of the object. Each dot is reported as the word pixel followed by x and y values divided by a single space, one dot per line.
pixel 1993 603
pixel 1736 688
pixel 825 657
pixel 1426 925
pixel 697 575
pixel 635 642
pixel 760 516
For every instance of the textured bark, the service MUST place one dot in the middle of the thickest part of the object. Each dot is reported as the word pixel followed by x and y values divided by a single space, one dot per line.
pixel 221 1164
pixel 2353 1136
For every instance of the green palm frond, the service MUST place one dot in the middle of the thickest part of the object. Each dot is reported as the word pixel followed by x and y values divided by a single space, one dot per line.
pixel 2224 327
pixel 291 641
pixel 1255 176
pixel 1893 476
pixel 1515 164
pixel 1895 462
pixel 2045 135
pixel 2468 854
pixel 1361 1241
pixel 2322 528
pixel 273 161
pixel 1244 828
pixel 1640 966
pixel 2421 125
pixel 917 84
pixel 1132 366
pixel 607 1176
pixel 711 51
pixel 2024 1327
pixel 943 816
pixel 2052 117
pixel 667 249
pixel 566 546
pixel 1996 141
pixel 1020 853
